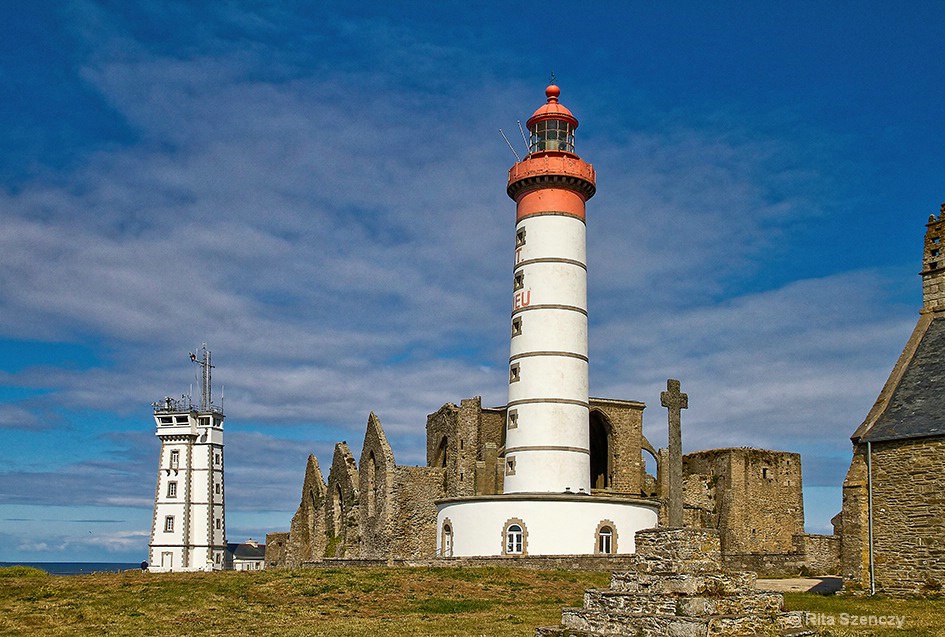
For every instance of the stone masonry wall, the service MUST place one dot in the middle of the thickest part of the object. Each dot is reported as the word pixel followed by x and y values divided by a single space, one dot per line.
pixel 821 553
pixel 342 515
pixel 909 516
pixel 376 478
pixel 759 501
pixel 854 521
pixel 306 539
pixel 627 468
pixel 276 549
pixel 413 524
pixel 933 264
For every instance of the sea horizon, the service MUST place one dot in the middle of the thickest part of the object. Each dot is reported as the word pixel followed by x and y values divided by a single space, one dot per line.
pixel 77 568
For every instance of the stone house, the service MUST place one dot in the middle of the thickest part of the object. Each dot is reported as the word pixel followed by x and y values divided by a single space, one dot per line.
pixel 893 519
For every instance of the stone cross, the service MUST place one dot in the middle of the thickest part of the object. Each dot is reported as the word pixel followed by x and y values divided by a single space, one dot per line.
pixel 675 401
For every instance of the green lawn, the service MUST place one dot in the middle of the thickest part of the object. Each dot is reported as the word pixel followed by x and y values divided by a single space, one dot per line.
pixel 348 602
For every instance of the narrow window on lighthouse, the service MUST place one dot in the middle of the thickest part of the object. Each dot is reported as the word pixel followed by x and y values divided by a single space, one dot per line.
pixel 516 326
pixel 513 418
pixel 175 459
pixel 510 466
pixel 519 280
pixel 172 489
pixel 520 237
pixel 169 524
pixel 514 373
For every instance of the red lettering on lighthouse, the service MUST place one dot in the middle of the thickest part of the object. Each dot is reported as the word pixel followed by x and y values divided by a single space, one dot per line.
pixel 522 299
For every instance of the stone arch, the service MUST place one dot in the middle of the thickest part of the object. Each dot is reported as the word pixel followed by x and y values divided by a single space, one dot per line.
pixel 307 530
pixel 376 472
pixel 338 511
pixel 650 483
pixel 342 515
pixel 601 446
pixel 440 458
pixel 370 485
pixel 446 538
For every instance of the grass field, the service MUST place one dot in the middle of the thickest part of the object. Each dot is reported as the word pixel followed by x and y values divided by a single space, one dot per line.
pixel 351 602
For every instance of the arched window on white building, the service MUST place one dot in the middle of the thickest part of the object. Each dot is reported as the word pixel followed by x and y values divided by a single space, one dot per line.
pixel 515 538
pixel 447 540
pixel 606 539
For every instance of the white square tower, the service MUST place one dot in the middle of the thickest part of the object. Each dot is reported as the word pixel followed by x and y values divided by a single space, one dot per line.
pixel 188 532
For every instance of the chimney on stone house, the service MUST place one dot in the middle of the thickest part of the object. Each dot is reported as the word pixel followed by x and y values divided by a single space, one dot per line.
pixel 933 264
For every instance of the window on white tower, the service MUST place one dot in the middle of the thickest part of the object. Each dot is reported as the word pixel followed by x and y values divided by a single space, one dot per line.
pixel 520 238
pixel 605 540
pixel 169 524
pixel 514 540
pixel 514 373
pixel 516 326
pixel 519 281
pixel 175 459
pixel 172 489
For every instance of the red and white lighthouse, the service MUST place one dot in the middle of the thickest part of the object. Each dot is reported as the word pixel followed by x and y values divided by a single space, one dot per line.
pixel 547 446
pixel 546 506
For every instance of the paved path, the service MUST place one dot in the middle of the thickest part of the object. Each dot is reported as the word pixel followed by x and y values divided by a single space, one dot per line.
pixel 824 585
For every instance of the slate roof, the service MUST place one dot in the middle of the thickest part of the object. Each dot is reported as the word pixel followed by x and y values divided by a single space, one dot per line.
pixel 247 551
pixel 916 408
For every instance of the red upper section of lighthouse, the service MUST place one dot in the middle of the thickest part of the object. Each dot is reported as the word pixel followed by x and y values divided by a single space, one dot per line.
pixel 553 109
pixel 551 162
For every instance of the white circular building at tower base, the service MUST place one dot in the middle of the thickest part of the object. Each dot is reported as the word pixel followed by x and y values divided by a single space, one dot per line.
pixel 540 524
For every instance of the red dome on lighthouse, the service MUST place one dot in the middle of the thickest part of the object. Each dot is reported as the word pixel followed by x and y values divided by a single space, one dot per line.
pixel 553 109
pixel 551 128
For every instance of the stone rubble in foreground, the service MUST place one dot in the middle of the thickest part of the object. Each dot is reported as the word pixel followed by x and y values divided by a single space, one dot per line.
pixel 676 587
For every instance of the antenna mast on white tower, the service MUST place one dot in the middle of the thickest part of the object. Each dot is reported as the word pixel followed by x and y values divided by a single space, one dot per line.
pixel 206 399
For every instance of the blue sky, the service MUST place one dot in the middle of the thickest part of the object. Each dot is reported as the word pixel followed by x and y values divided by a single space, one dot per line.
pixel 317 190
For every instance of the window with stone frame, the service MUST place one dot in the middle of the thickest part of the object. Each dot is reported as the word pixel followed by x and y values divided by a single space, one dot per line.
pixel 446 540
pixel 169 524
pixel 605 540
pixel 172 489
pixel 175 459
pixel 516 326
pixel 514 537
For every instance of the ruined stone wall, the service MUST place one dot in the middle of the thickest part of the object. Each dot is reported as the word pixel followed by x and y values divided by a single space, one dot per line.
pixel 342 514
pixel 854 525
pixel 821 553
pixel 413 523
pixel 376 479
pixel 758 498
pixel 492 427
pixel 909 516
pixel 627 468
pixel 276 544
pixel 306 538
